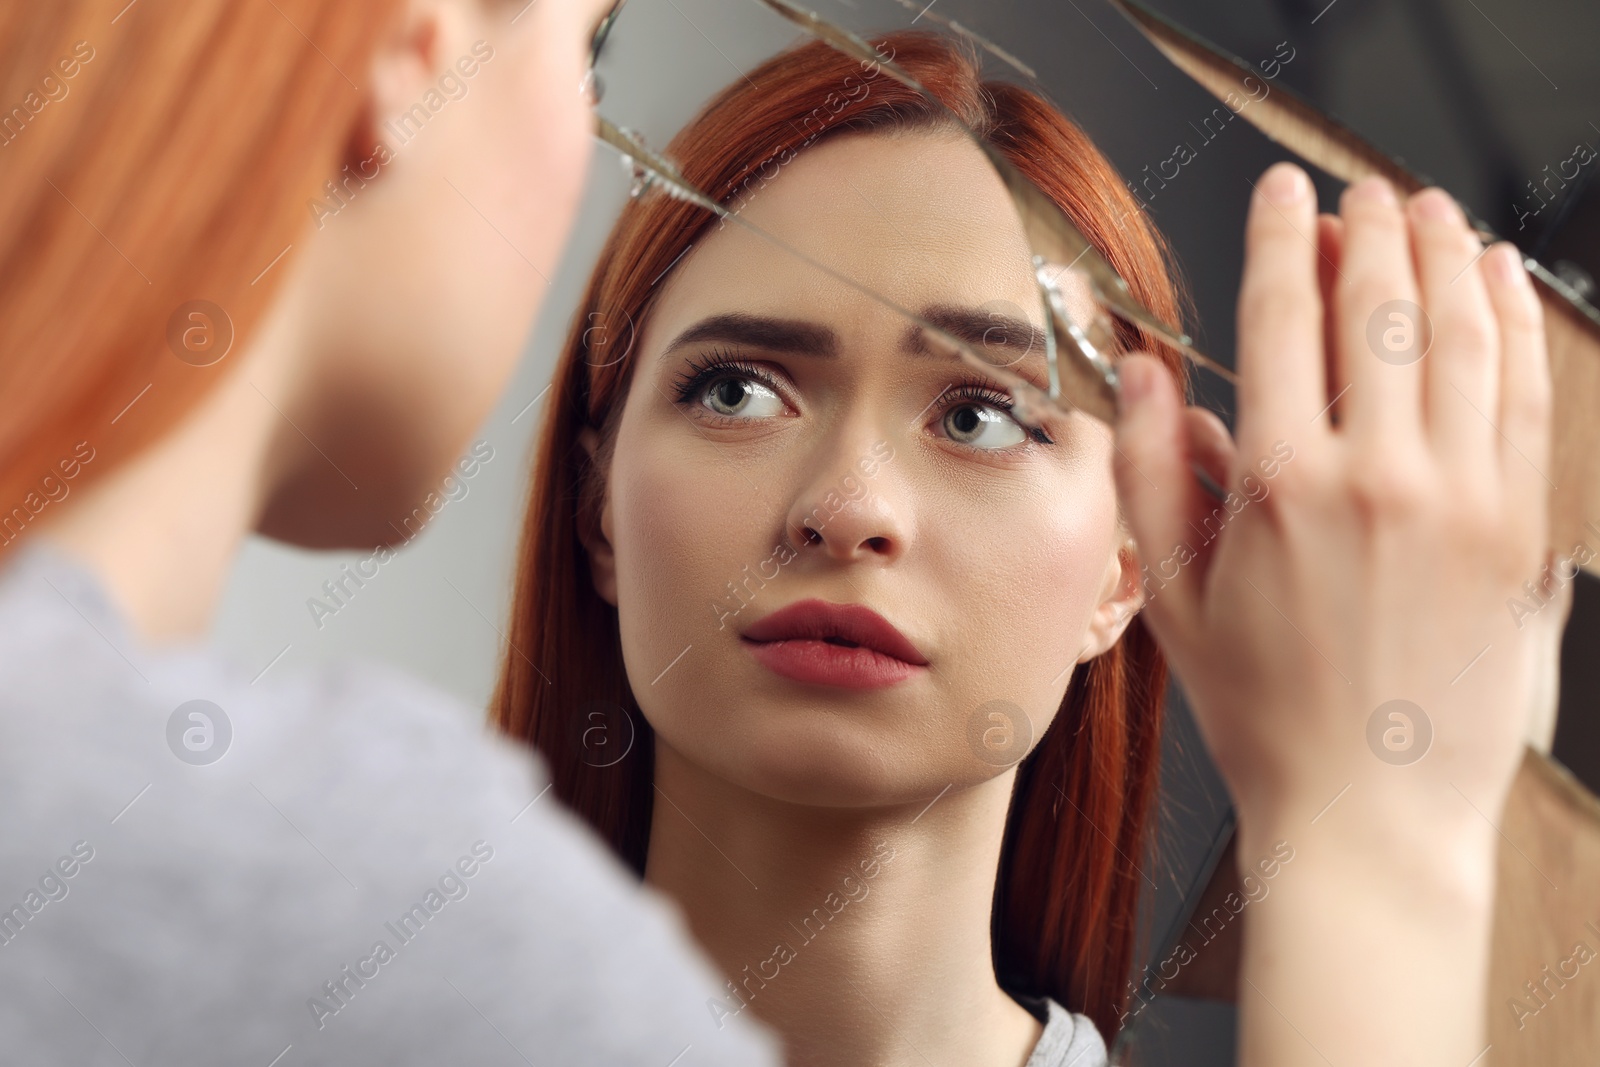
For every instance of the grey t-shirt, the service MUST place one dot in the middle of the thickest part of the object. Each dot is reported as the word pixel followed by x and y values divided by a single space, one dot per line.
pixel 364 876
pixel 1069 1039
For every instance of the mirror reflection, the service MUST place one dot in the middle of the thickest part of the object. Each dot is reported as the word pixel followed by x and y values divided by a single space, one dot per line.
pixel 979 559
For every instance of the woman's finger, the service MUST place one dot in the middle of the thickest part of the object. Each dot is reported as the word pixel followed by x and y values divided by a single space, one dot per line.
pixel 1211 448
pixel 1462 367
pixel 1211 445
pixel 1157 489
pixel 1280 360
pixel 1379 341
pixel 1525 396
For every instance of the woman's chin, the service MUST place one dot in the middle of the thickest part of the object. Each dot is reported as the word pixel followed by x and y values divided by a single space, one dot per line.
pixel 831 768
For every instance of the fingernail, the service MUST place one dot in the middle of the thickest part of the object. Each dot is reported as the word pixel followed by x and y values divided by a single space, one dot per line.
pixel 1437 205
pixel 1375 189
pixel 1284 184
pixel 1506 263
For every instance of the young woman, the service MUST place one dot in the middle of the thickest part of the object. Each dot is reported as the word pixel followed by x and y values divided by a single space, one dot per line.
pixel 265 267
pixel 784 577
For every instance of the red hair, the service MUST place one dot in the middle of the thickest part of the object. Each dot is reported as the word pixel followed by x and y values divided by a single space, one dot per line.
pixel 151 154
pixel 1067 896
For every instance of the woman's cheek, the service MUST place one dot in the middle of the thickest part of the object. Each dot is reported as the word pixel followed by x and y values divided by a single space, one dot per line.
pixel 1052 577
pixel 683 534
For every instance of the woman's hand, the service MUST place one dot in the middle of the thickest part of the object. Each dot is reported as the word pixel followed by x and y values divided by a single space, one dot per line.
pixel 1345 641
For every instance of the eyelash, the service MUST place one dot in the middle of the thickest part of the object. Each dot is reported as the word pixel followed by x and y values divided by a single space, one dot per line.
pixel 703 370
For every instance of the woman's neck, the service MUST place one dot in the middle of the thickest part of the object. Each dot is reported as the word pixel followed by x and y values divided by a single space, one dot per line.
pixel 162 529
pixel 861 936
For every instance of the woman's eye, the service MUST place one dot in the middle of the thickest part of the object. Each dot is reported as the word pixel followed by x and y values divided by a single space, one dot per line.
pixel 982 426
pixel 742 398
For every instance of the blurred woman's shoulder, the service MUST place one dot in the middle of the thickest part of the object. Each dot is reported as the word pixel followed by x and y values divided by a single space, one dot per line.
pixel 221 862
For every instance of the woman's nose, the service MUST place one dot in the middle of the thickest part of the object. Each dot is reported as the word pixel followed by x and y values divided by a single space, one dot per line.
pixel 853 510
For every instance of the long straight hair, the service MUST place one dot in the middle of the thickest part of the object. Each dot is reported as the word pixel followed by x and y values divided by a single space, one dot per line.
pixel 1066 899
pixel 151 154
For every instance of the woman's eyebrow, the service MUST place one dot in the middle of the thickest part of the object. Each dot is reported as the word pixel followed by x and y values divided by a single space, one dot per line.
pixel 982 329
pixel 793 336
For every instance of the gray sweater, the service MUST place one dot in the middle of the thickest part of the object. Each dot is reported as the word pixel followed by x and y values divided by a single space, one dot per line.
pixel 335 866
pixel 1069 1039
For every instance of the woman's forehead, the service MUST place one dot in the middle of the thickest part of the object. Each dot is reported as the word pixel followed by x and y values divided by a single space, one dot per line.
pixel 920 218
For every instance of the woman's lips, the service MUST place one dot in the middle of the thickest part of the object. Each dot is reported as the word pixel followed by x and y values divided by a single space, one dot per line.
pixel 846 645
pixel 824 663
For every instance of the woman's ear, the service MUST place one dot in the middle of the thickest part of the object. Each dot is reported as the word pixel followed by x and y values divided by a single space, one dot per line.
pixel 602 560
pixel 1122 595
pixel 422 45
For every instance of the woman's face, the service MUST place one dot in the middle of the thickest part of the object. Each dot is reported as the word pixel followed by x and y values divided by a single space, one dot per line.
pixel 995 554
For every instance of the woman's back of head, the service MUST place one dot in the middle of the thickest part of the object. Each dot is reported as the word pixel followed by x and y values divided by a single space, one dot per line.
pixel 152 157
pixel 375 191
